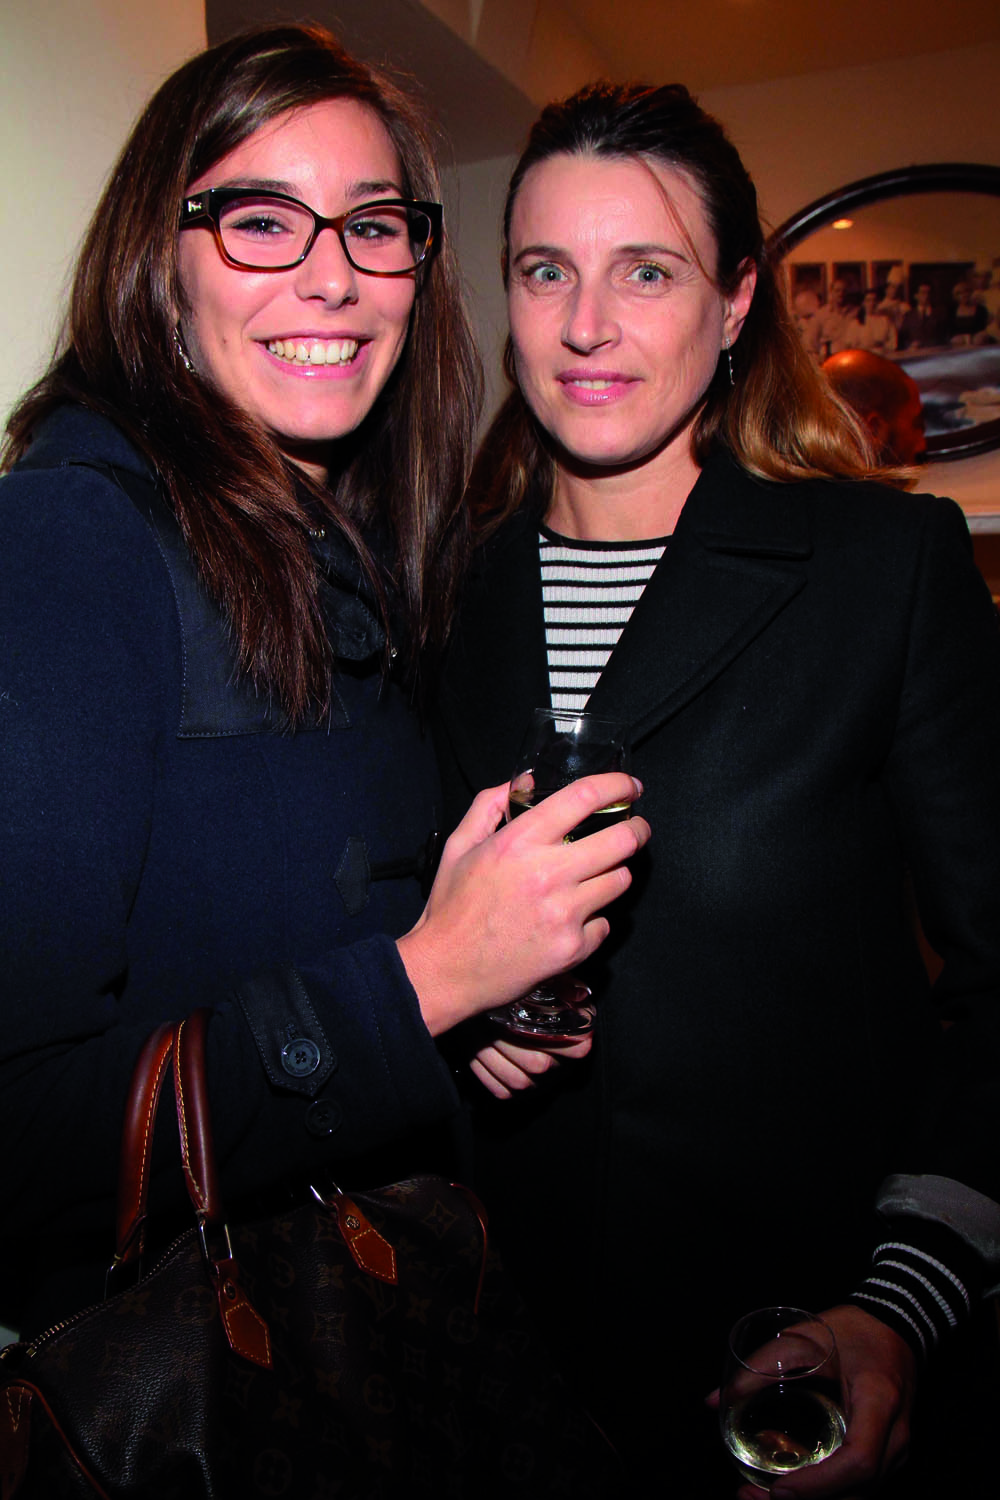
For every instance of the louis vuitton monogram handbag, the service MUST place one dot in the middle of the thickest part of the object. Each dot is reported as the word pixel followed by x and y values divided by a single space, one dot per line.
pixel 365 1347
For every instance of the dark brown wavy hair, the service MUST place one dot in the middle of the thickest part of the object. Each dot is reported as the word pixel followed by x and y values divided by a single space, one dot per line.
pixel 779 419
pixel 233 492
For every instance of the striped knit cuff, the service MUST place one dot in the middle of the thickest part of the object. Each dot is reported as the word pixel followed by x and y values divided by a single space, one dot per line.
pixel 923 1283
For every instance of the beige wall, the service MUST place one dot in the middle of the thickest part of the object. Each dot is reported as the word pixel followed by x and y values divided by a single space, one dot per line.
pixel 473 205
pixel 73 75
pixel 802 137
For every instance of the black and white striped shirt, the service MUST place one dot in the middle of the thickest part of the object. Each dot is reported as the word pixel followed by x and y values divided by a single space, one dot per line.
pixel 589 590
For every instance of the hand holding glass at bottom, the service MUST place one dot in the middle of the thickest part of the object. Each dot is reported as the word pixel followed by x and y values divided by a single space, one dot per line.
pixel 780 1399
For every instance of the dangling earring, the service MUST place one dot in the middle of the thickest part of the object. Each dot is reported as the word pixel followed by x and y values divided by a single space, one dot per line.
pixel 729 356
pixel 181 351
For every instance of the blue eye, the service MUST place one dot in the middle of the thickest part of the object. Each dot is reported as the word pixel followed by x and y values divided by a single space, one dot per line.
pixel 545 274
pixel 649 274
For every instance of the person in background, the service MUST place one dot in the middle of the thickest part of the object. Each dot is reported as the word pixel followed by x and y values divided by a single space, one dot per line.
pixel 886 399
pixel 986 281
pixel 923 327
pixel 806 316
pixel 230 527
pixel 835 317
pixel 869 328
pixel 894 304
pixel 676 529
pixel 968 318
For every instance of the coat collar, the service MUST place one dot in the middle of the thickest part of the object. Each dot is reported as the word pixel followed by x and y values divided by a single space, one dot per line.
pixel 735 561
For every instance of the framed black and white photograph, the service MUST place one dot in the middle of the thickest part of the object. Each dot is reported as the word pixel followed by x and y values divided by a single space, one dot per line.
pixel 929 237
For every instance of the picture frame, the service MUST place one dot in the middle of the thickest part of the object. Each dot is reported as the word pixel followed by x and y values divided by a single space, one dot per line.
pixel 900 231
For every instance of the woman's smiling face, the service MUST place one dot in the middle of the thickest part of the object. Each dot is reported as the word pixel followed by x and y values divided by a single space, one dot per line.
pixel 616 323
pixel 304 352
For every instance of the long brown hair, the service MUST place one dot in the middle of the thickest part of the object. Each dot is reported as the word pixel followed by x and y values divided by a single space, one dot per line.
pixel 779 418
pixel 233 493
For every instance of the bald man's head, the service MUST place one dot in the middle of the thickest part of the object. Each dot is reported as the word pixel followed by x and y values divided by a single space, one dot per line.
pixel 885 398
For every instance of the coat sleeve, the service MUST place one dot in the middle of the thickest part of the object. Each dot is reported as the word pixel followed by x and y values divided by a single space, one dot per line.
pixel 943 779
pixel 87 624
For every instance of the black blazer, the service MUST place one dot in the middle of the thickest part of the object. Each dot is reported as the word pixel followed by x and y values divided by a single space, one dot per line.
pixel 812 677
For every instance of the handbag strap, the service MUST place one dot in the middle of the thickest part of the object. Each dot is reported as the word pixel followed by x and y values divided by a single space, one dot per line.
pixel 194 1120
pixel 137 1141
pixel 184 1044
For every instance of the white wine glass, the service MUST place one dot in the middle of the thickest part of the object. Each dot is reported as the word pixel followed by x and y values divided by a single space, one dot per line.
pixel 780 1400
pixel 560 746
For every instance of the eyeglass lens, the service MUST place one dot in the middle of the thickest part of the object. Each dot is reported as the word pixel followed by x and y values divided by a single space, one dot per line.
pixel 267 232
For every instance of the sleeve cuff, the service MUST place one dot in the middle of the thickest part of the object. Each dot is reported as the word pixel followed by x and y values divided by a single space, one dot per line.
pixel 924 1281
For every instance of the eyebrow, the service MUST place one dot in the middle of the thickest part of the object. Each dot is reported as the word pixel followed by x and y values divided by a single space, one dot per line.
pixel 363 189
pixel 555 252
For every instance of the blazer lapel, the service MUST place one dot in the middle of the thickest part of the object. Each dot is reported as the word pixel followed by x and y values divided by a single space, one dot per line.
pixel 733 564
pixel 735 561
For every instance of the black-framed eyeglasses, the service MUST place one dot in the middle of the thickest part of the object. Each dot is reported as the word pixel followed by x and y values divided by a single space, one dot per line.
pixel 258 231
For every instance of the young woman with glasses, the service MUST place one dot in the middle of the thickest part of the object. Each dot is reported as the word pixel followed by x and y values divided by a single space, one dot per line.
pixel 229 527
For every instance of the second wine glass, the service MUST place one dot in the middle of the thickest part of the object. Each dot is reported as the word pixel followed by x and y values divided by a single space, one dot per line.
pixel 780 1401
pixel 560 746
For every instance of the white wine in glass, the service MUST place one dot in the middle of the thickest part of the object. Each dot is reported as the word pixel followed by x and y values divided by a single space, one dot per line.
pixel 780 1408
pixel 561 745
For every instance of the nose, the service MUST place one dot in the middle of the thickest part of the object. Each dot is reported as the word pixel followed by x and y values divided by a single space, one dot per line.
pixel 590 319
pixel 326 272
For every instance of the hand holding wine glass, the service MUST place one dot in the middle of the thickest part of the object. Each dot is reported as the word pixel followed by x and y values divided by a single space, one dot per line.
pixel 560 747
pixel 515 904
pixel 780 1400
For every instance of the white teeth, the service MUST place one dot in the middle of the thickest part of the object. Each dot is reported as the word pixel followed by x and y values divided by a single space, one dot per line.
pixel 315 352
pixel 594 385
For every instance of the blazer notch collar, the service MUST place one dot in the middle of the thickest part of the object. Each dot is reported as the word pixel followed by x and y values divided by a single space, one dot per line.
pixel 785 548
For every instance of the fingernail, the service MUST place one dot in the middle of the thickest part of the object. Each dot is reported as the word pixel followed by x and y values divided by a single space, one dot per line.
pixel 638 786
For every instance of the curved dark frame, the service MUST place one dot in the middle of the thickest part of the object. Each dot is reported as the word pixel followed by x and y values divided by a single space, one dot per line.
pixel 938 177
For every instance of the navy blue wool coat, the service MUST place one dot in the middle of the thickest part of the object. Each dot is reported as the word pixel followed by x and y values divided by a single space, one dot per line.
pixel 164 844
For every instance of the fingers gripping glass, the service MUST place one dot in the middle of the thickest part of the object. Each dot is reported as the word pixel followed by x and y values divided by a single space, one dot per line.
pixel 560 746
pixel 272 232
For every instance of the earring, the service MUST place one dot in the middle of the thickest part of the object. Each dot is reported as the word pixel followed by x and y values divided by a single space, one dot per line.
pixel 181 351
pixel 729 356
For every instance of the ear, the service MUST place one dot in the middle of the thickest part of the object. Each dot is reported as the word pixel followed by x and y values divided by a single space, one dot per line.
pixel 738 303
pixel 878 427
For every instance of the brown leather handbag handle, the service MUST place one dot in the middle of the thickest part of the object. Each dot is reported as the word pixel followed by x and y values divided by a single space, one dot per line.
pixel 194 1120
pixel 184 1043
pixel 137 1143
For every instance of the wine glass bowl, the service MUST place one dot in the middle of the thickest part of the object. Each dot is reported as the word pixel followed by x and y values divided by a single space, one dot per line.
pixel 560 746
pixel 780 1400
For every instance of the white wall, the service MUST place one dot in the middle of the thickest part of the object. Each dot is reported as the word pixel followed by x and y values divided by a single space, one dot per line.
pixel 73 75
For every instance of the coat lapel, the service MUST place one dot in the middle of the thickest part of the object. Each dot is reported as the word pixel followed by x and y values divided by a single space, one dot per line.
pixel 735 561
